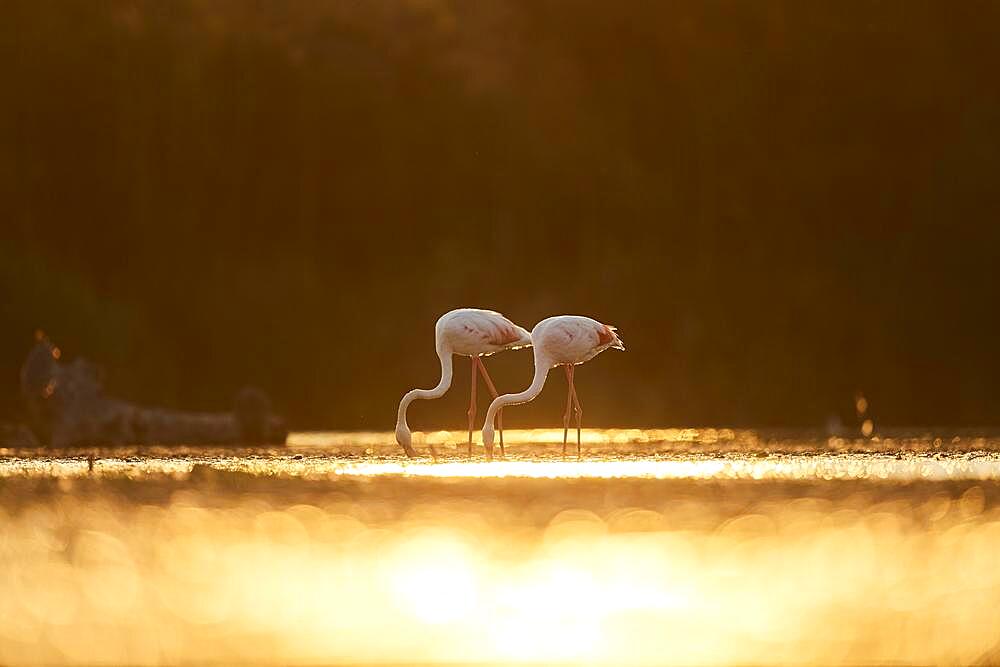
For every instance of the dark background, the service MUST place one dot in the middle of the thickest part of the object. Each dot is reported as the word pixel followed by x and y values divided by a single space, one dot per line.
pixel 779 203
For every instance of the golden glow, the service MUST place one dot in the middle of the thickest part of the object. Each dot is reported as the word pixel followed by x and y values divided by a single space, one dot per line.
pixel 276 560
pixel 433 577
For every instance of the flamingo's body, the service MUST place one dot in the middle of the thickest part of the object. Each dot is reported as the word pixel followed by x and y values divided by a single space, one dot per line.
pixel 469 332
pixel 565 340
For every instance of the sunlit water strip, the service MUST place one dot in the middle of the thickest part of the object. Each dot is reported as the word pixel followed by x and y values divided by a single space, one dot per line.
pixel 776 468
pixel 696 454
pixel 669 439
pixel 796 467
pixel 534 436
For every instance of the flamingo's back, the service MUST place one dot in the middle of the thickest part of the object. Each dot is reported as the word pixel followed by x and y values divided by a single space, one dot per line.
pixel 472 332
pixel 573 339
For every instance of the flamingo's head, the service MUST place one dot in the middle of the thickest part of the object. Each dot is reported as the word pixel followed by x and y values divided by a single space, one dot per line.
pixel 405 440
pixel 488 440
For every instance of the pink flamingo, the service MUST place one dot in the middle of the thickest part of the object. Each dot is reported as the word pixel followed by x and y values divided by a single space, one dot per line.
pixel 473 333
pixel 565 340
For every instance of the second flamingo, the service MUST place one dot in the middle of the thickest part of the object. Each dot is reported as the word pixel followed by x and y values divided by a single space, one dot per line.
pixel 564 340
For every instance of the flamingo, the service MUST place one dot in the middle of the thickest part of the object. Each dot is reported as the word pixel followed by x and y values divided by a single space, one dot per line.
pixel 473 333
pixel 564 340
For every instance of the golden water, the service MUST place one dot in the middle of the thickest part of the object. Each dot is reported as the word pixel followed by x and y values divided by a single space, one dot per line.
pixel 657 547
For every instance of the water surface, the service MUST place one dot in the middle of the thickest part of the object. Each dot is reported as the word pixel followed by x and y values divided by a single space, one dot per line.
pixel 656 547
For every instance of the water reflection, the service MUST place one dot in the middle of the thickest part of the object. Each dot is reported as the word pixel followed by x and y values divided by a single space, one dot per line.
pixel 709 559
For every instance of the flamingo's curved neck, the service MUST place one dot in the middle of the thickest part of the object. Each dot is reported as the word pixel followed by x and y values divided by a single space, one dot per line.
pixel 426 394
pixel 542 366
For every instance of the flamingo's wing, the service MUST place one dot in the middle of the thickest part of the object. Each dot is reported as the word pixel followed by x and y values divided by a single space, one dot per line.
pixel 607 336
pixel 504 334
pixel 578 339
pixel 485 332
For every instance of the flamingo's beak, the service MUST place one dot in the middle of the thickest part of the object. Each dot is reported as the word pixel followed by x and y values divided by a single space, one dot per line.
pixel 404 439
pixel 488 443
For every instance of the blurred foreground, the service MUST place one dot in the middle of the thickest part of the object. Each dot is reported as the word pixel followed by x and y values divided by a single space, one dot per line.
pixel 671 546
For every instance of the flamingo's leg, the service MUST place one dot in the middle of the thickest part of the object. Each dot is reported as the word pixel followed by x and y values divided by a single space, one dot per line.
pixel 578 410
pixel 569 404
pixel 493 391
pixel 472 401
